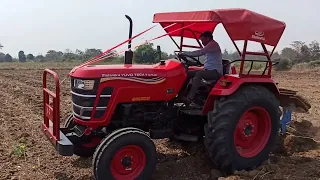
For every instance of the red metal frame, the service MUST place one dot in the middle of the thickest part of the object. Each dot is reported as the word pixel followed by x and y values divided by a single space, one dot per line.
pixel 242 54
pixel 51 113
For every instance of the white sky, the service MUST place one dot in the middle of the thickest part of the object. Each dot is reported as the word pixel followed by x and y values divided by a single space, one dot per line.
pixel 36 26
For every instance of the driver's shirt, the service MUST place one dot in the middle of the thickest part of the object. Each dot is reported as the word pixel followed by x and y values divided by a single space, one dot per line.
pixel 212 54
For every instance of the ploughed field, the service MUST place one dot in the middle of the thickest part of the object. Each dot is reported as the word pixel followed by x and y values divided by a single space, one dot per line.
pixel 25 153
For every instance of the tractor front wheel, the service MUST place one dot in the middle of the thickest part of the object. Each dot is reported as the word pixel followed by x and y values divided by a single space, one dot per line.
pixel 242 128
pixel 129 154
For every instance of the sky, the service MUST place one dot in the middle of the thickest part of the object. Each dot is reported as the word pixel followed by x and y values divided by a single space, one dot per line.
pixel 36 26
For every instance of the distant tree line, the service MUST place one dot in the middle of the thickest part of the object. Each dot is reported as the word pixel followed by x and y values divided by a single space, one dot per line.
pixel 297 52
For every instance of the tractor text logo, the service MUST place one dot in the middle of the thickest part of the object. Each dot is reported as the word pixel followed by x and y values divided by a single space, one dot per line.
pixel 258 35
pixel 131 75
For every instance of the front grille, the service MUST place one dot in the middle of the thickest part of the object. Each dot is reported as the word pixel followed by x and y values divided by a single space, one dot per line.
pixel 83 101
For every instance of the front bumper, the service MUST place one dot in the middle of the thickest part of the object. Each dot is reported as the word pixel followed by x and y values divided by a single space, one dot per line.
pixel 63 145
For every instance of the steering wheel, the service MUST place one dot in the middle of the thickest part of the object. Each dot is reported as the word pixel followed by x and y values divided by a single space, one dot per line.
pixel 192 62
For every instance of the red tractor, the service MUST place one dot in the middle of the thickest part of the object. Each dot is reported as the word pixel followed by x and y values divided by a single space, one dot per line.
pixel 118 109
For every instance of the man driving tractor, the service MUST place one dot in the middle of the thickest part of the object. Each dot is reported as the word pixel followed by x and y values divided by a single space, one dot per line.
pixel 212 69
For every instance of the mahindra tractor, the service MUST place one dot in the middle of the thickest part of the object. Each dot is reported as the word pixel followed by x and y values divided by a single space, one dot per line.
pixel 118 109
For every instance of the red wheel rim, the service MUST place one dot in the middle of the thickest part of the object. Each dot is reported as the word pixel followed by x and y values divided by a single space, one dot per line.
pixel 128 162
pixel 252 132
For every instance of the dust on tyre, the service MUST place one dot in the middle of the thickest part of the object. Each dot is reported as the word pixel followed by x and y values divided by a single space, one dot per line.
pixel 128 155
pixel 242 128
pixel 82 149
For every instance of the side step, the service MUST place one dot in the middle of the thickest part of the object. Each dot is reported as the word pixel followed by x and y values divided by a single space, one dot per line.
pixel 186 137
pixel 192 111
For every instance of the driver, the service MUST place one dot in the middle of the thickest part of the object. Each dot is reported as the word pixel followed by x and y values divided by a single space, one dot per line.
pixel 212 69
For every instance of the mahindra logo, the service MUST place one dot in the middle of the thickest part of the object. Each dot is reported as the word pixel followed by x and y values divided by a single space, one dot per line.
pixel 258 33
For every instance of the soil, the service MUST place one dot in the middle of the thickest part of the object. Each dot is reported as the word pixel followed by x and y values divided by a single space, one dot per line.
pixel 25 153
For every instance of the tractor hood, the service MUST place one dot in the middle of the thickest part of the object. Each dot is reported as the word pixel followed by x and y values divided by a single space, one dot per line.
pixel 167 68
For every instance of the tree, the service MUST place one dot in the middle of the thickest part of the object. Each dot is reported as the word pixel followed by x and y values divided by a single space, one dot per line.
pixel 297 45
pixel 40 58
pixel 305 54
pixel 284 64
pixel 90 53
pixel 53 55
pixel 275 55
pixel 1 46
pixel 2 57
pixel 289 53
pixel 171 56
pixel 146 54
pixel 68 55
pixel 79 54
pixel 8 58
pixel 30 57
pixel 314 50
pixel 22 56
pixel 225 54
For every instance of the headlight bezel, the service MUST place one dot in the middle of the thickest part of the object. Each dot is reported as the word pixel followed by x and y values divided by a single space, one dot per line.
pixel 83 84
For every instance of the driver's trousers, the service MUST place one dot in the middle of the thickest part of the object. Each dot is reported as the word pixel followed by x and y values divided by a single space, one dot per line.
pixel 197 78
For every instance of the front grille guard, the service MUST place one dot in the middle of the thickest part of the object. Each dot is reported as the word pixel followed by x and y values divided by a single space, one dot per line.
pixel 84 109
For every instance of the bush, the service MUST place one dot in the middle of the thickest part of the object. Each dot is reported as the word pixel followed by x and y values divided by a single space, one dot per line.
pixel 313 64
pixel 284 64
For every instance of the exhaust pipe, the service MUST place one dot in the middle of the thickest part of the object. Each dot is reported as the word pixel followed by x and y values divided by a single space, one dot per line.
pixel 128 56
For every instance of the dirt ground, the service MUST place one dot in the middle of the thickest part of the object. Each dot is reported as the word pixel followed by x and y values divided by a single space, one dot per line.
pixel 25 153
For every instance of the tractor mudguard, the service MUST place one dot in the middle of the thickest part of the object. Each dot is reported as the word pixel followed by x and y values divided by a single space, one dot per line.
pixel 229 84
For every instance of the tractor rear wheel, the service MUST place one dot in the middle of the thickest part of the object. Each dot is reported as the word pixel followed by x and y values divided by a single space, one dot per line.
pixel 242 128
pixel 129 154
pixel 82 149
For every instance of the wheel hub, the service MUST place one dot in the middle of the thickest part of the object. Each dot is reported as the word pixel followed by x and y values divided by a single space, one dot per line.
pixel 126 161
pixel 252 132
pixel 248 130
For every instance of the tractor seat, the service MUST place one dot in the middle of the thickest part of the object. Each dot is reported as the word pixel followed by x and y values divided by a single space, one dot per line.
pixel 226 70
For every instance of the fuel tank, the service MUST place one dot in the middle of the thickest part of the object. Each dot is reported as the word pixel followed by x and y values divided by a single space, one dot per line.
pixel 131 82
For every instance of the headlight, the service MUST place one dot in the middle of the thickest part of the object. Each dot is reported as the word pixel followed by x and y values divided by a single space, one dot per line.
pixel 83 84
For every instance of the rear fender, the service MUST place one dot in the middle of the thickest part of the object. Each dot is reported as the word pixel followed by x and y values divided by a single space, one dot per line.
pixel 235 82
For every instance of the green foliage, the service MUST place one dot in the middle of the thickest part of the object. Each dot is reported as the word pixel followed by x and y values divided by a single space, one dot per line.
pixel 30 57
pixel 8 58
pixel 2 57
pixel 284 64
pixel 146 54
pixel 20 151
pixel 289 53
pixel 90 53
pixel 22 56
pixel 53 55
pixel 40 58
pixel 313 64
pixel 298 53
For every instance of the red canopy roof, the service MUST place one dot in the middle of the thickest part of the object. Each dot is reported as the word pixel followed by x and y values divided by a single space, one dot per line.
pixel 240 24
